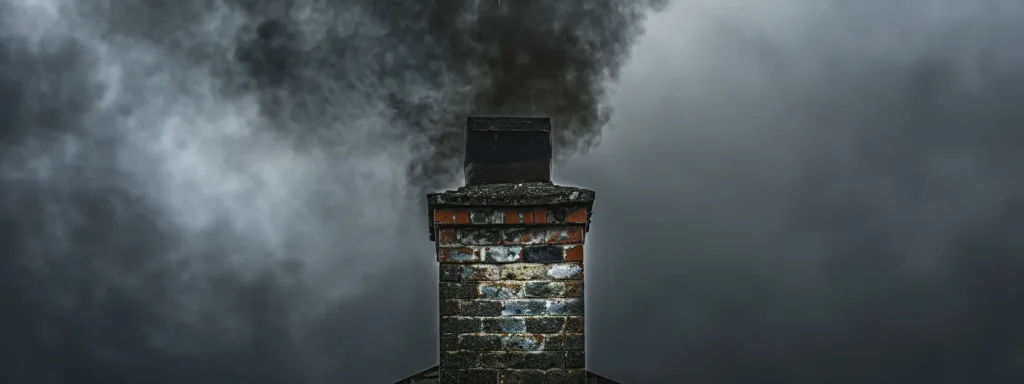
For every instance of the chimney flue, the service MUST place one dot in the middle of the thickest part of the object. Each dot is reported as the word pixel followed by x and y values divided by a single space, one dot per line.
pixel 502 150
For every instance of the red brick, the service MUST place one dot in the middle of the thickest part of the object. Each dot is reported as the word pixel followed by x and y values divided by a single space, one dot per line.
pixel 444 216
pixel 578 216
pixel 527 217
pixel 446 236
pixel 511 216
pixel 462 216
pixel 540 216
pixel 574 253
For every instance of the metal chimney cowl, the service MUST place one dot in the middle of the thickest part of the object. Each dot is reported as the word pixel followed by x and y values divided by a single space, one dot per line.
pixel 502 150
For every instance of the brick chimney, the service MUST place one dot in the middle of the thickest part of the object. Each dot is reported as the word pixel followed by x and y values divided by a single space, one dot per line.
pixel 510 248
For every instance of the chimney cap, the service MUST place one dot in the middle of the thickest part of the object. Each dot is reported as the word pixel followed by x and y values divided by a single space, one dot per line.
pixel 507 150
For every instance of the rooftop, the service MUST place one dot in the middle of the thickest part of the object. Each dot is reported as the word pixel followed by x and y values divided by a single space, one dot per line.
pixel 431 376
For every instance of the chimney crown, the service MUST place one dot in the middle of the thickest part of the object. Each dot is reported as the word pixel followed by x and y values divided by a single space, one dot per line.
pixel 508 150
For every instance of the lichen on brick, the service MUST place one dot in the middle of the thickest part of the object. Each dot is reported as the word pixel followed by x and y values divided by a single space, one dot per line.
pixel 504 325
pixel 500 290
pixel 564 307
pixel 523 271
pixel 565 271
pixel 502 254
pixel 524 307
pixel 522 342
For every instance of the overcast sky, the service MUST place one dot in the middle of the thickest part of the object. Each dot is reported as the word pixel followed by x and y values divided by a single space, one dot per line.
pixel 793 191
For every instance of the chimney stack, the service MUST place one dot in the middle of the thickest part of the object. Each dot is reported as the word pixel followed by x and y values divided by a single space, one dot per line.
pixel 510 248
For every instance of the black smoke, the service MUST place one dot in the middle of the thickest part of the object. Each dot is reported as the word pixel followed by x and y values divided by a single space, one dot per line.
pixel 226 192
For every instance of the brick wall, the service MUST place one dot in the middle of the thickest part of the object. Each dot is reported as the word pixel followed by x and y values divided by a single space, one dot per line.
pixel 511 293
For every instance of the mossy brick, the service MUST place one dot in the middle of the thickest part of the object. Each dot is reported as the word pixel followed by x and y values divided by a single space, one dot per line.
pixel 479 236
pixel 480 308
pixel 524 307
pixel 524 271
pixel 574 324
pixel 545 324
pixel 505 325
pixel 475 342
pixel 501 360
pixel 459 255
pixel 458 290
pixel 565 376
pixel 468 272
pixel 460 359
pixel 503 254
pixel 522 342
pixel 575 359
pixel 480 376
pixel 544 289
pixel 544 360
pixel 455 324
pixel 564 342
pixel 500 290
pixel 522 376
pixel 564 307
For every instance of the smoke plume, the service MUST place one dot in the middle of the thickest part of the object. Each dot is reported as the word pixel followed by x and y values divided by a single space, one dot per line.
pixel 226 191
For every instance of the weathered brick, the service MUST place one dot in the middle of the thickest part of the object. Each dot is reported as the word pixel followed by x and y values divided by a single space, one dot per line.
pixel 524 271
pixel 479 236
pixel 545 324
pixel 480 342
pixel 503 254
pixel 458 290
pixel 574 324
pixel 564 342
pixel 557 215
pixel 444 216
pixel 501 290
pixel 480 308
pixel 542 235
pixel 449 307
pixel 564 307
pixel 502 360
pixel 449 341
pixel 452 324
pixel 513 216
pixel 459 255
pixel 461 216
pixel 575 359
pixel 544 360
pixel 565 376
pixel 573 288
pixel 450 375
pixel 578 216
pixel 480 376
pixel 447 237
pixel 522 376
pixel 505 325
pixel 460 359
pixel 574 253
pixel 540 216
pixel 565 271
pixel 524 307
pixel 468 272
pixel 526 217
pixel 543 254
pixel 544 289
pixel 487 216
pixel 522 342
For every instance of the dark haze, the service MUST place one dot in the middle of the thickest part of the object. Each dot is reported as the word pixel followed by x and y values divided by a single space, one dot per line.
pixel 228 191
pixel 790 191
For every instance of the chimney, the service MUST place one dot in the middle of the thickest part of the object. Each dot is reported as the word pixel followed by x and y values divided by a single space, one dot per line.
pixel 510 248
